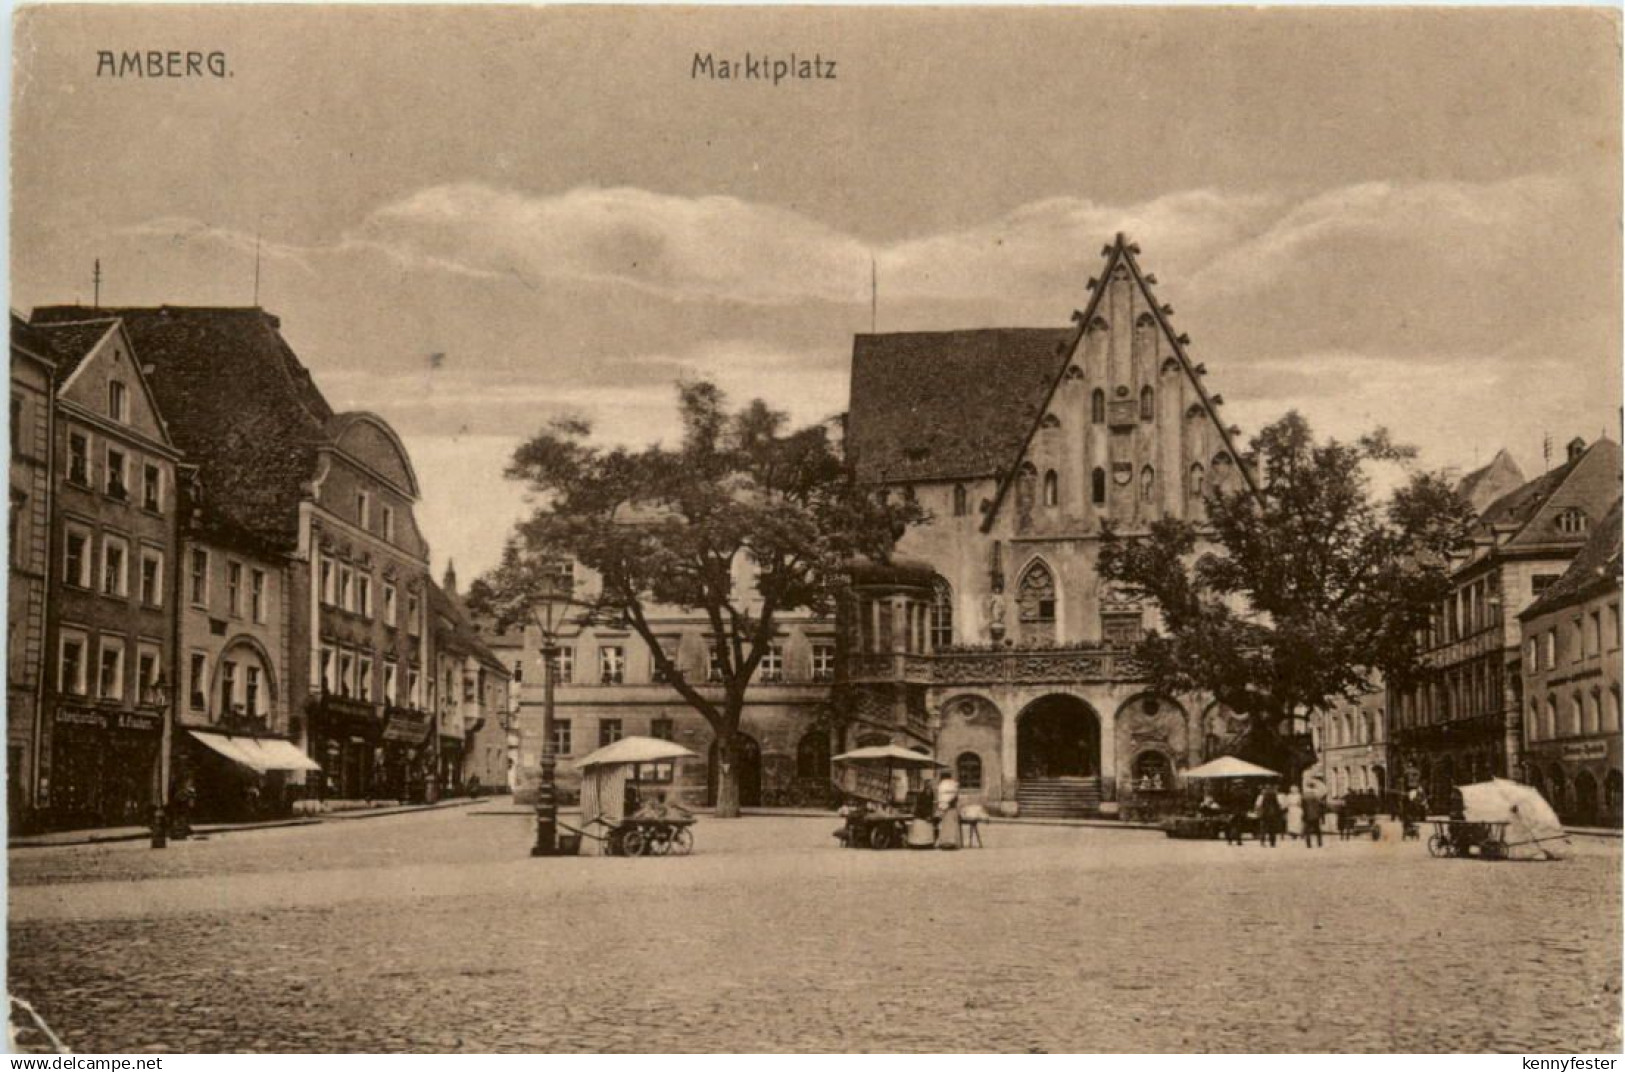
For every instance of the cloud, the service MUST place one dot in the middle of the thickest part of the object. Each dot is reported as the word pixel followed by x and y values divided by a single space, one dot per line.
pixel 715 247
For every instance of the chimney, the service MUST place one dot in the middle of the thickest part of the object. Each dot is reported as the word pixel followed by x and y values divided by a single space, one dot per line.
pixel 1577 447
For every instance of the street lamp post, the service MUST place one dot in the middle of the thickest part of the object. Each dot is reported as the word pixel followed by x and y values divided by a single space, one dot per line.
pixel 159 693
pixel 549 607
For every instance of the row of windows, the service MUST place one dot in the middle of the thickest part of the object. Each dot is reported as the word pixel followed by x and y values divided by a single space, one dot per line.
pixel 1460 692
pixel 247 593
pixel 612 665
pixel 1579 714
pixel 242 685
pixel 350 674
pixel 611 730
pixel 75 669
pixel 110 573
pixel 1353 728
pixel 349 588
pixel 363 516
pixel 1586 635
pixel 116 473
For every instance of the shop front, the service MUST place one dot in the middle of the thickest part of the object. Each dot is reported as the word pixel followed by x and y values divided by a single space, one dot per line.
pixel 1579 778
pixel 407 756
pixel 104 765
pixel 347 744
pixel 238 777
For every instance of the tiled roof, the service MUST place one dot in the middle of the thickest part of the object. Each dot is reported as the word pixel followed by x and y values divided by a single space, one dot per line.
pixel 67 344
pixel 1596 567
pixel 237 401
pixel 454 632
pixel 943 405
pixel 1517 507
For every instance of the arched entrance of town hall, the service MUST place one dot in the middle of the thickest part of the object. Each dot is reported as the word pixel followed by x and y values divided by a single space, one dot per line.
pixel 1058 737
pixel 1058 758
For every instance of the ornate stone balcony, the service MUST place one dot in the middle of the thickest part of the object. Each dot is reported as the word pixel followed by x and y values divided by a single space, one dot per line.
pixel 999 666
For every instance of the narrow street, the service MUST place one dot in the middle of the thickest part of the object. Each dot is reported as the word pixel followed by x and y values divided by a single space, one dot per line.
pixel 436 931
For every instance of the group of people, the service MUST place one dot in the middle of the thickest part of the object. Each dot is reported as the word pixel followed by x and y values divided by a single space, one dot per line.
pixel 1274 812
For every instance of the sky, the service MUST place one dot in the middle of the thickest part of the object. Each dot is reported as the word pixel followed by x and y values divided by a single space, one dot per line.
pixel 472 220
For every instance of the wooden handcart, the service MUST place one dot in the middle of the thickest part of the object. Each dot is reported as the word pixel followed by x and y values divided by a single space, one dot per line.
pixel 1461 837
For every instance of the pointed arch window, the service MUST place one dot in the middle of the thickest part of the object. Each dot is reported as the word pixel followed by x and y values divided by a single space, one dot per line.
pixel 1148 403
pixel 961 503
pixel 1148 484
pixel 1097 487
pixel 1052 488
pixel 1035 598
pixel 1097 407
pixel 1198 478
pixel 942 614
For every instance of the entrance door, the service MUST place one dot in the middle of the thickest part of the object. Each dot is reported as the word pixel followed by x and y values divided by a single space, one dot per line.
pixel 750 773
pixel 1058 737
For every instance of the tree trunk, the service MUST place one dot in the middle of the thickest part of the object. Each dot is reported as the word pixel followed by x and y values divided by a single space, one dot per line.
pixel 727 806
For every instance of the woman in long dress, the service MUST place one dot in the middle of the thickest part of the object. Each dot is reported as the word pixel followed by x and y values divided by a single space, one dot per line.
pixel 922 831
pixel 947 812
pixel 1294 813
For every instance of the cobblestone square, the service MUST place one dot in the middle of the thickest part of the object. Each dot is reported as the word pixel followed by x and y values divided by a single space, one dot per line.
pixel 436 931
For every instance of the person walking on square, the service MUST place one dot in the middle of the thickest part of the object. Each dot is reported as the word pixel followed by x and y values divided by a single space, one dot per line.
pixel 1268 807
pixel 947 812
pixel 1293 806
pixel 1314 810
pixel 1237 825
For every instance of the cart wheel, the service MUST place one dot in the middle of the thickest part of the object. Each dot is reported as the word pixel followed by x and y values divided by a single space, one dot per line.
pixel 1439 845
pixel 633 843
pixel 882 837
pixel 656 843
pixel 681 842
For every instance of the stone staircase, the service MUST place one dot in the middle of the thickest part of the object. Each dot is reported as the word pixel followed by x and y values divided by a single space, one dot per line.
pixel 1058 798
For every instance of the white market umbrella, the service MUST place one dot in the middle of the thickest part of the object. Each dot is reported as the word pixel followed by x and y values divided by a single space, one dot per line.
pixel 634 750
pixel 887 755
pixel 1230 767
pixel 1533 830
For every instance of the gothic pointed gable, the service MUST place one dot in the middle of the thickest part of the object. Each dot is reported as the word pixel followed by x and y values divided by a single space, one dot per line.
pixel 1128 371
pixel 95 357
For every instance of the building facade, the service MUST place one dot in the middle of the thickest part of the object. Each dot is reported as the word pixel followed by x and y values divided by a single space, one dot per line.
pixel 320 502
pixel 1571 667
pixel 33 407
pixel 607 687
pixel 472 696
pixel 110 635
pixel 1351 740
pixel 1463 721
pixel 1021 444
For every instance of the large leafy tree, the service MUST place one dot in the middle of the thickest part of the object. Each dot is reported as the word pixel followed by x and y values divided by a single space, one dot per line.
pixel 1298 591
pixel 743 522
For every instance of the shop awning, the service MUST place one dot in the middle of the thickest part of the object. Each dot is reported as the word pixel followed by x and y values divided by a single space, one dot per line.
pixel 258 755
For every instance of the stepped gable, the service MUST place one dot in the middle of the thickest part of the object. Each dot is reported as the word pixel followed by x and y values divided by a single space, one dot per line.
pixel 237 401
pixel 947 405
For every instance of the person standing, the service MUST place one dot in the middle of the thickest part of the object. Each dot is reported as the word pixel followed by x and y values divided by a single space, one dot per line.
pixel 1314 810
pixel 947 812
pixel 1293 806
pixel 1268 807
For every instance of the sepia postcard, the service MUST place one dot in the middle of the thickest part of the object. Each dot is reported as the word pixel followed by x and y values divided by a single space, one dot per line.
pixel 706 529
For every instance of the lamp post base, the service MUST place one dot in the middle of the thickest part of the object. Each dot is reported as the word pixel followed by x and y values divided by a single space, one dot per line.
pixel 547 814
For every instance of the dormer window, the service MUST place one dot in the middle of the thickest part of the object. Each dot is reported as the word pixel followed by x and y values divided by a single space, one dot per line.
pixel 1573 521
pixel 118 401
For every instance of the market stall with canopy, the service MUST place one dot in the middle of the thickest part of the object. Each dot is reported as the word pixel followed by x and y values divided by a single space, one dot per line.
pixel 609 783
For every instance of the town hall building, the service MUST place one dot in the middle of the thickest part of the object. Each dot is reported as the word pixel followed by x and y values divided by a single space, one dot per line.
pixel 991 639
